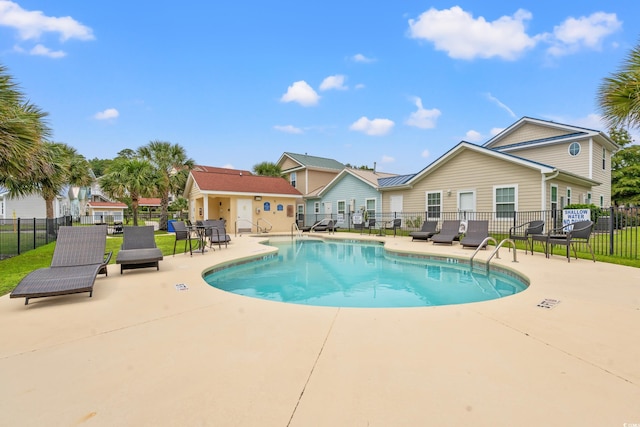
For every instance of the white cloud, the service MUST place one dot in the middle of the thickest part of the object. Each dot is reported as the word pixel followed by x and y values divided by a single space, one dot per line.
pixel 334 82
pixel 388 159
pixel 422 118
pixel 32 24
pixel 360 86
pixel 500 104
pixel 41 50
pixel 358 57
pixel 375 127
pixel 425 154
pixel 288 129
pixel 584 32
pixel 301 93
pixel 462 36
pixel 109 113
pixel 228 166
pixel 495 131
pixel 473 136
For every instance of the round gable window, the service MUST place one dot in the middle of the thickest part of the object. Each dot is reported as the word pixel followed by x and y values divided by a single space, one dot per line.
pixel 574 149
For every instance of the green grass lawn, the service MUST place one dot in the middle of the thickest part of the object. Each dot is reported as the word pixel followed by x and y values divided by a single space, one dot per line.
pixel 15 268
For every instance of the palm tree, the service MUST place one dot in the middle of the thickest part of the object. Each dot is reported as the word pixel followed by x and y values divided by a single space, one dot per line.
pixel 619 94
pixel 173 166
pixel 22 130
pixel 67 167
pixel 130 178
pixel 267 169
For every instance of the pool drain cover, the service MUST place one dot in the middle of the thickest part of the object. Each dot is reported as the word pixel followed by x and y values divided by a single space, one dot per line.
pixel 548 303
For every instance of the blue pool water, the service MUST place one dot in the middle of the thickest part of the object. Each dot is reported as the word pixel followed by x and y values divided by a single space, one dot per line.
pixel 353 274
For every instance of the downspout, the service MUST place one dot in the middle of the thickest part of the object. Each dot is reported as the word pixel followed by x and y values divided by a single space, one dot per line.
pixel 544 187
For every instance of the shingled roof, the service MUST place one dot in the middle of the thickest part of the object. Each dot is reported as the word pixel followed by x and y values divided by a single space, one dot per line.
pixel 223 180
pixel 314 162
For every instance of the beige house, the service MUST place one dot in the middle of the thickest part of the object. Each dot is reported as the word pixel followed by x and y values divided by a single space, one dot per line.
pixel 308 174
pixel 248 203
pixel 576 150
pixel 533 165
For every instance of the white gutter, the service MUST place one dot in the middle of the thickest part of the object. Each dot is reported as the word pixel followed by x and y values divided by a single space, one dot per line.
pixel 544 187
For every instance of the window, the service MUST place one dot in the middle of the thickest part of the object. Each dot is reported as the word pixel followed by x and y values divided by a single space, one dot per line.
pixel 293 177
pixel 602 202
pixel 574 149
pixel 371 208
pixel 341 209
pixel 588 201
pixel 568 196
pixel 505 201
pixel 434 204
pixel 604 158
pixel 316 207
pixel 554 197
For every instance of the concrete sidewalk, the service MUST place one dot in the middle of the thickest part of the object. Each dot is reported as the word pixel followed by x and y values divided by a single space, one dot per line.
pixel 142 353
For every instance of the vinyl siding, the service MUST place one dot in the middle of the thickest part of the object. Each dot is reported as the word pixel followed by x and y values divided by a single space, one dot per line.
pixel 289 164
pixel 319 179
pixel 529 132
pixel 558 156
pixel 601 175
pixel 348 188
pixel 480 173
pixel 28 207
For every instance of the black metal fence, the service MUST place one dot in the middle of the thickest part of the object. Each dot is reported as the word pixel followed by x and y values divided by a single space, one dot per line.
pixel 615 231
pixel 24 234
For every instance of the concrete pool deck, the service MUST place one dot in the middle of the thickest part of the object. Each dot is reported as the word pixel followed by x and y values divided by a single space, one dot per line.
pixel 141 353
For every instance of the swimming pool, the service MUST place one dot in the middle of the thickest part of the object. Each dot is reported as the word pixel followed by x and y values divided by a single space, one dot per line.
pixel 361 274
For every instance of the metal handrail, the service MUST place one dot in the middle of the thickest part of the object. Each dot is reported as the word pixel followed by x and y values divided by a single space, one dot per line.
pixel 298 231
pixel 495 252
pixel 480 246
pixel 264 229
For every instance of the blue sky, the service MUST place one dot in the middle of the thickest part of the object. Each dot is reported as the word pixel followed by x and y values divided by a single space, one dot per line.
pixel 238 83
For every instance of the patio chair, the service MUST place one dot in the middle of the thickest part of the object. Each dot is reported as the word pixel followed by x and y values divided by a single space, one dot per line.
pixel 428 229
pixel 183 233
pixel 525 233
pixel 370 224
pixel 449 231
pixel 394 224
pixel 477 232
pixel 138 249
pixel 216 231
pixel 570 235
pixel 78 256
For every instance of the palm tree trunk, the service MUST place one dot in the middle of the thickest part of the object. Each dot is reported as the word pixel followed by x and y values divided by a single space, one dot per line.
pixel 164 212
pixel 134 210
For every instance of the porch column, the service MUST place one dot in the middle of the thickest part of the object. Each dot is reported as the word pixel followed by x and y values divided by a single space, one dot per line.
pixel 205 208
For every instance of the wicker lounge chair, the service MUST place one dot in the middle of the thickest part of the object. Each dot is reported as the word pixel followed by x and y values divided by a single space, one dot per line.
pixel 138 249
pixel 428 229
pixel 477 232
pixel 78 256
pixel 448 232
pixel 325 225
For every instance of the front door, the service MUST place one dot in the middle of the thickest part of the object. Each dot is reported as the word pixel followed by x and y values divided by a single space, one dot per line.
pixel 244 218
pixel 328 210
pixel 466 204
